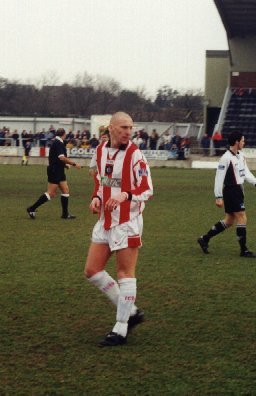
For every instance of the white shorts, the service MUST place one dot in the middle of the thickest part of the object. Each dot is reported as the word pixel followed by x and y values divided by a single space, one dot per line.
pixel 121 236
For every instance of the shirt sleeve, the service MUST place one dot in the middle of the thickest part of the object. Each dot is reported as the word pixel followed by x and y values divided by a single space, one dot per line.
pixel 220 177
pixel 97 192
pixel 143 183
pixel 60 149
pixel 249 177
pixel 93 162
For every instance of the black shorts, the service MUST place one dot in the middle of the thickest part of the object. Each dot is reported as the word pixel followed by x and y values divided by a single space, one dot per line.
pixel 55 175
pixel 233 197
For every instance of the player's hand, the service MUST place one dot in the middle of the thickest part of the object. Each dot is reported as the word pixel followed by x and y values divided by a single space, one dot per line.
pixel 113 202
pixel 78 166
pixel 219 202
pixel 95 205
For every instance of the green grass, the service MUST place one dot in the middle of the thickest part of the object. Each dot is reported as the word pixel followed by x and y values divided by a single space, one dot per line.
pixel 199 333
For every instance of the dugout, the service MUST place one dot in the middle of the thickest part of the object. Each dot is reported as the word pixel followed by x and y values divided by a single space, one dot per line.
pixel 230 82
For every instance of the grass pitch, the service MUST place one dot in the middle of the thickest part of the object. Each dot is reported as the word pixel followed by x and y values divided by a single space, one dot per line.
pixel 199 333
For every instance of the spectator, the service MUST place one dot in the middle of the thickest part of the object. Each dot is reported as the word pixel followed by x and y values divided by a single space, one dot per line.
pixel 2 137
pixel 69 136
pixel 50 135
pixel 143 145
pixel 8 137
pixel 166 138
pixel 176 141
pixel 15 137
pixel 42 138
pixel 184 148
pixel 144 136
pixel 88 134
pixel 137 139
pixel 52 130
pixel 205 144
pixel 78 134
pixel 94 142
pixel 85 144
pixel 74 142
pixel 153 139
pixel 69 144
pixel 217 140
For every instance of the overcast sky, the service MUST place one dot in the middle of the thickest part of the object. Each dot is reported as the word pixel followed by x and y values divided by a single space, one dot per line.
pixel 140 43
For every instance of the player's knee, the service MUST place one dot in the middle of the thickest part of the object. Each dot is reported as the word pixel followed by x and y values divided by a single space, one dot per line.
pixel 241 218
pixel 89 272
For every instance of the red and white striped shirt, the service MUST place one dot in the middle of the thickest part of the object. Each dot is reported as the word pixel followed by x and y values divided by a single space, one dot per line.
pixel 122 170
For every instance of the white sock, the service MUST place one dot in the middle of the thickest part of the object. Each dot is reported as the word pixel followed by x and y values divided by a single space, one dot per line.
pixel 107 285
pixel 125 304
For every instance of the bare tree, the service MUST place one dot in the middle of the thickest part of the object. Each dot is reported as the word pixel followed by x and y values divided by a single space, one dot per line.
pixel 49 78
pixel 89 95
pixel 83 80
pixel 107 91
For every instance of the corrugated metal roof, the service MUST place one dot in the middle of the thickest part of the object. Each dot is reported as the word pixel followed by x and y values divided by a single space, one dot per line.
pixel 238 17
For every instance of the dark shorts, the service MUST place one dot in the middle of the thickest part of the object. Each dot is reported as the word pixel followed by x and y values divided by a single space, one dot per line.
pixel 233 199
pixel 55 175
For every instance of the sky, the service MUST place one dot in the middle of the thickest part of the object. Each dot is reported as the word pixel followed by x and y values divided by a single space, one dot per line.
pixel 141 44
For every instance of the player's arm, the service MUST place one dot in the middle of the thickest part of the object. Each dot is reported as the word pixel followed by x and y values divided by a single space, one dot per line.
pixel 143 189
pixel 67 161
pixel 144 186
pixel 249 177
pixel 219 181
pixel 93 165
pixel 96 201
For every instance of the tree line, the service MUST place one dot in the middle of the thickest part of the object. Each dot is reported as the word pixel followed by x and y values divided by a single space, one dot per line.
pixel 87 95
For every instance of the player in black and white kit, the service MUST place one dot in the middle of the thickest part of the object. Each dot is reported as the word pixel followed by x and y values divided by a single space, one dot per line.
pixel 58 161
pixel 231 173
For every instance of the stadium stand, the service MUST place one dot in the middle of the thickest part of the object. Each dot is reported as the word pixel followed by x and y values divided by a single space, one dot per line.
pixel 230 100
pixel 241 115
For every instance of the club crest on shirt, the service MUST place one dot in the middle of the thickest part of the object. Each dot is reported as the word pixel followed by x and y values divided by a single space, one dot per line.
pixel 143 172
pixel 109 169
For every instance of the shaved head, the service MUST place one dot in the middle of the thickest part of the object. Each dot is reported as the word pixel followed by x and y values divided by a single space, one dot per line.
pixel 118 116
pixel 120 128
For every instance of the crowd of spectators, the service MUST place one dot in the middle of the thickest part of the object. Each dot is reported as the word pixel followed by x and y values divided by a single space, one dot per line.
pixel 44 138
pixel 83 139
pixel 175 144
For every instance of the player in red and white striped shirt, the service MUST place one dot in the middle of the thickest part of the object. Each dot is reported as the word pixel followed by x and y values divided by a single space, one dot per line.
pixel 122 185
